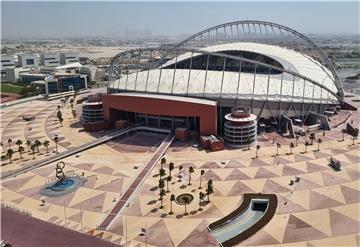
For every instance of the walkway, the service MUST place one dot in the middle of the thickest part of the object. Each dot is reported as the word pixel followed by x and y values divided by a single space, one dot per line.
pixel 126 197
pixel 78 149
pixel 22 230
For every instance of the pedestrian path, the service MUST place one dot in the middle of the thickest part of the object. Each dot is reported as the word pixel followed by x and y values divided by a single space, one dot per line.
pixel 126 197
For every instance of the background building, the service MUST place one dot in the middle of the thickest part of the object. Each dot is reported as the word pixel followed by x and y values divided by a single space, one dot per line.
pixel 28 60
pixel 7 61
pixel 50 59
pixel 66 58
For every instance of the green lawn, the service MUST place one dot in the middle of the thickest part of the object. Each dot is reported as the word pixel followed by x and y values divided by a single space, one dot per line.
pixel 10 88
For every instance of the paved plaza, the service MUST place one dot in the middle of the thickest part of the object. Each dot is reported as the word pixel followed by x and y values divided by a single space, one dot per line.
pixel 322 209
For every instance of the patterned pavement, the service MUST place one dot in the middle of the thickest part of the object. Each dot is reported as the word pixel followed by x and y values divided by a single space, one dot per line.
pixel 320 210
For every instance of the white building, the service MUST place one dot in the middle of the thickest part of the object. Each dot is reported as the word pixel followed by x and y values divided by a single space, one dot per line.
pixel 50 59
pixel 12 74
pixel 71 57
pixel 7 61
pixel 28 60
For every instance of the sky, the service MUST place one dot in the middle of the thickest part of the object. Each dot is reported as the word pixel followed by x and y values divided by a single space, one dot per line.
pixel 118 19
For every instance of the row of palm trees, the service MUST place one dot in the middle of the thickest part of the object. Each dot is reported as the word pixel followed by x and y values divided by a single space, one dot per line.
pixel 31 147
pixel 168 179
pixel 292 146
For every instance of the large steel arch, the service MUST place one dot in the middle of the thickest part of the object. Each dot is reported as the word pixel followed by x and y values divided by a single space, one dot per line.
pixel 129 61
pixel 264 32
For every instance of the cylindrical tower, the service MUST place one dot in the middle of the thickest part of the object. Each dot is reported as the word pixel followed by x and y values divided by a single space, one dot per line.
pixel 240 128
pixel 92 112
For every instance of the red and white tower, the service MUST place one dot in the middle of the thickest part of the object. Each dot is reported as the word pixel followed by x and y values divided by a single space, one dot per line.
pixel 240 128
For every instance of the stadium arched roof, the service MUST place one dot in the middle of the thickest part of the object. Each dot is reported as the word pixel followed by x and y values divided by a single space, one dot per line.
pixel 304 72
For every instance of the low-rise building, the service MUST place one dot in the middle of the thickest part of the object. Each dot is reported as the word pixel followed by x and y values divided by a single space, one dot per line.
pixel 28 60
pixel 69 57
pixel 50 59
pixel 7 61
pixel 30 77
pixel 12 74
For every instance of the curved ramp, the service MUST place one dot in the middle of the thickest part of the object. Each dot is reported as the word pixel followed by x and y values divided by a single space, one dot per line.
pixel 254 213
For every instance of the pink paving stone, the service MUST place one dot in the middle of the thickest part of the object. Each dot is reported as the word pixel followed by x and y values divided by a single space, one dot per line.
pixel 263 173
pixel 210 211
pixel 157 235
pixel 350 195
pixel 312 167
pixel 85 166
pixel 234 164
pixel 330 179
pixel 236 174
pixel 104 170
pixel 258 162
pixel 300 158
pixel 209 174
pixel 272 187
pixel 342 225
pixel 298 230
pixel 305 185
pixel 319 201
pixel 289 171
pixel 260 238
pixel 210 164
pixel 289 207
pixel 17 183
pixel 94 204
pixel 199 236
pixel 114 186
pixel 238 189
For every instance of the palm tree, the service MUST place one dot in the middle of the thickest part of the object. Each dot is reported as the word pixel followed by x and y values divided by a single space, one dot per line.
pixel 343 131
pixel 306 145
pixel 37 144
pixel 180 168
pixel 291 147
pixel 312 138
pixel 278 145
pixel 161 183
pixel 201 198
pixel 319 140
pixel 58 107
pixel 172 199
pixel 9 143
pixel 71 106
pixel 191 170
pixel 257 150
pixel 73 112
pixel 171 167
pixel 296 139
pixel 18 142
pixel 248 141
pixel 21 149
pixel 60 118
pixel 209 190
pixel 33 147
pixel 56 140
pixel 46 144
pixel 163 162
pixel 28 144
pixel 186 201
pixel 168 180
pixel 10 153
pixel 162 194
pixel 162 172
pixel 202 172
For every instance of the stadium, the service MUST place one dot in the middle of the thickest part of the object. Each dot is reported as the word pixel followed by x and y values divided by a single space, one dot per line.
pixel 263 68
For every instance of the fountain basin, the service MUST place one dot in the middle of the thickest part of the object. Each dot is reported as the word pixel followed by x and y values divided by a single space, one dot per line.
pixel 62 186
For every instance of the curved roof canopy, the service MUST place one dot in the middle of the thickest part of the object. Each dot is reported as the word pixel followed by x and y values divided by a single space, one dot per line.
pixel 230 68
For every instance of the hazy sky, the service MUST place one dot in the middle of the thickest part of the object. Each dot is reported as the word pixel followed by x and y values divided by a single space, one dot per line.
pixel 112 19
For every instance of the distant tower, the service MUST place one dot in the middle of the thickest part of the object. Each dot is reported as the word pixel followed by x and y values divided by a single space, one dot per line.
pixel 240 128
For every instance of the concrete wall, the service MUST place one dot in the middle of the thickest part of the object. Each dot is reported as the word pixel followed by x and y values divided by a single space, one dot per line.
pixel 162 107
pixel 315 118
